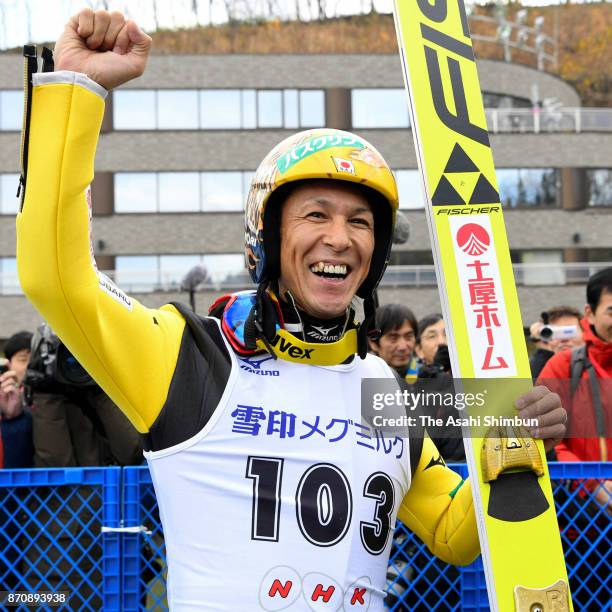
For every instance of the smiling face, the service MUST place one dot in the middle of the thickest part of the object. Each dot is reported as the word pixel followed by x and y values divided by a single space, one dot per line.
pixel 327 241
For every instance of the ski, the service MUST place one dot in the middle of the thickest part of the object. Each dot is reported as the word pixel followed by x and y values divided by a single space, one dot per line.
pixel 517 523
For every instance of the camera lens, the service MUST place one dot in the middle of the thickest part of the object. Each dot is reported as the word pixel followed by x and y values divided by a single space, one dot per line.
pixel 70 370
pixel 546 333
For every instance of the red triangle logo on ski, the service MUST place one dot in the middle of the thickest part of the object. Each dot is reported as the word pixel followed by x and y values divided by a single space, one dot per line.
pixel 473 239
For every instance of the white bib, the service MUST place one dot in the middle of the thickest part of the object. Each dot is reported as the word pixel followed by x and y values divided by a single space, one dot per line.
pixel 284 500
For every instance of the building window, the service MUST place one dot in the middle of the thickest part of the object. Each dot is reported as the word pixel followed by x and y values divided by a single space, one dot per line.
pixel 227 270
pixel 218 109
pixel 598 255
pixel 221 109
pixel 137 273
pixel 269 109
pixel 527 187
pixel 600 186
pixel 544 268
pixel 134 110
pixel 291 108
pixel 11 110
pixel 147 273
pixel 179 192
pixel 9 281
pixel 494 100
pixel 312 108
pixel 223 191
pixel 173 268
pixel 410 189
pixel 248 106
pixel 379 108
pixel 135 192
pixel 411 258
pixel 178 109
pixel 9 203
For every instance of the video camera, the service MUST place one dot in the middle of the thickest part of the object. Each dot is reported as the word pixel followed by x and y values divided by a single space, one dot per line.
pixel 556 332
pixel 52 366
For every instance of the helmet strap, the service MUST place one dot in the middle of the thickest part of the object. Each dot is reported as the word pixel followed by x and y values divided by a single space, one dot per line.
pixel 261 321
pixel 369 311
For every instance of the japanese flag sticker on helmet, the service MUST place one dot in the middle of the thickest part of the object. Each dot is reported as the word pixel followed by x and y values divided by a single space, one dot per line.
pixel 344 165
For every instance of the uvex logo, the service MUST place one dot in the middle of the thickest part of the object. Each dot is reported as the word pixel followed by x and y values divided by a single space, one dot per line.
pixel 284 346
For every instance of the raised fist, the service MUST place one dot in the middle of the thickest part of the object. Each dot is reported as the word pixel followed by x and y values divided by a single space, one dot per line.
pixel 104 46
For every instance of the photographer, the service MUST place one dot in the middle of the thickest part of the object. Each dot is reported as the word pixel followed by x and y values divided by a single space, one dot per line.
pixel 557 330
pixel 75 424
pixel 15 422
pixel 15 447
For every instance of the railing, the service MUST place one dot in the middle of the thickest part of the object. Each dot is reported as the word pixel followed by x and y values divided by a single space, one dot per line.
pixel 531 274
pixel 527 274
pixel 515 36
pixel 547 121
pixel 95 533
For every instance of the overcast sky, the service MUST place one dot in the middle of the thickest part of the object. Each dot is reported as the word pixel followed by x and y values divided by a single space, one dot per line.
pixel 42 20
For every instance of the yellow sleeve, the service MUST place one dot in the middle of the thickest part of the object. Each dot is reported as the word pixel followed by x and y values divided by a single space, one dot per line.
pixel 439 509
pixel 130 350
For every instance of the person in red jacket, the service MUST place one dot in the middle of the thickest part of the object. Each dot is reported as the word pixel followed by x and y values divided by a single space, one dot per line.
pixel 589 435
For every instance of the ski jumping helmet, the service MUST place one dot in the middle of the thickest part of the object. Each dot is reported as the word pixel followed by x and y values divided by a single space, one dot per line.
pixel 317 154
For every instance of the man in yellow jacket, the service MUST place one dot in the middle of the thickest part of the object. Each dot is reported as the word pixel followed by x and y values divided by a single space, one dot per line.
pixel 271 488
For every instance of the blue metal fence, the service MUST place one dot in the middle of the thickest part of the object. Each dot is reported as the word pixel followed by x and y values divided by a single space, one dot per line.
pixel 52 536
pixel 96 533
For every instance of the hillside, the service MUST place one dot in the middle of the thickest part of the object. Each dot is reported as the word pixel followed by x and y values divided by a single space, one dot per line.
pixel 585 35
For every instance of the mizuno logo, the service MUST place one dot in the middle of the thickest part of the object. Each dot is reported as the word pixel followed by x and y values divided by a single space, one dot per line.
pixel 433 462
pixel 256 365
pixel 253 366
pixel 324 330
pixel 284 346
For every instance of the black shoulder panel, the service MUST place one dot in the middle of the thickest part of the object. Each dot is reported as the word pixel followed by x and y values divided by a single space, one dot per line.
pixel 416 433
pixel 200 377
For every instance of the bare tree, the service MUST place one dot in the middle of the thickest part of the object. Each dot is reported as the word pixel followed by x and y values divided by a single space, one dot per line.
pixel 321 6
pixel 28 18
pixel 195 9
pixel 155 15
pixel 293 11
pixel 367 7
pixel 230 10
pixel 269 8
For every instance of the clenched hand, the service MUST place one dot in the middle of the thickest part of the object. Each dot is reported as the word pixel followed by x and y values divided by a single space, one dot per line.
pixel 104 46
pixel 543 404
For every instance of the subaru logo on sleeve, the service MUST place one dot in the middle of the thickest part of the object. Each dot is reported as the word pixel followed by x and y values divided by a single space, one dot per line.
pixel 253 366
